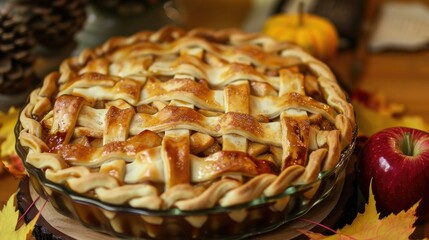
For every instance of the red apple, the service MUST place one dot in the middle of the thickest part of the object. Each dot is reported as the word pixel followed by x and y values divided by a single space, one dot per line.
pixel 397 161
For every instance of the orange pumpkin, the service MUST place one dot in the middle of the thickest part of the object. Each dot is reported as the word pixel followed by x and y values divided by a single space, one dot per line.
pixel 314 34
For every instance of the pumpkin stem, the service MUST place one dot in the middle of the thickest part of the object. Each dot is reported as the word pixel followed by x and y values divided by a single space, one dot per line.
pixel 301 14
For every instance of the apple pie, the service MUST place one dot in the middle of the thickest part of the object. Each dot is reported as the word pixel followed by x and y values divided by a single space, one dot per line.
pixel 187 120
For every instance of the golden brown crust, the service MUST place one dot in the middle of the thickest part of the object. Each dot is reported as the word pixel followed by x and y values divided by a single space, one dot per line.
pixel 188 120
pixel 176 156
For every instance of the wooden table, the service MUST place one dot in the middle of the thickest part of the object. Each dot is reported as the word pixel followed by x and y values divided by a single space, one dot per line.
pixel 402 77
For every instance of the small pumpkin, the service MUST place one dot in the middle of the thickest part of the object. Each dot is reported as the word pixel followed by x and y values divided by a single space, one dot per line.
pixel 315 34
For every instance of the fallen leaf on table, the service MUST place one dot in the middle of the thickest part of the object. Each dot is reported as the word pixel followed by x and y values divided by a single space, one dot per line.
pixel 374 113
pixel 377 101
pixel 370 121
pixel 8 156
pixel 13 165
pixel 9 217
pixel 367 225
pixel 7 124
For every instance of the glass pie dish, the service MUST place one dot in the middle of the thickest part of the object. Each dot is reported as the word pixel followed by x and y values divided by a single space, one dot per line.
pixel 260 215
pixel 187 135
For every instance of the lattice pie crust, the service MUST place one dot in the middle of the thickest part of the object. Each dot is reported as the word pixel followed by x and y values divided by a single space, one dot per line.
pixel 188 120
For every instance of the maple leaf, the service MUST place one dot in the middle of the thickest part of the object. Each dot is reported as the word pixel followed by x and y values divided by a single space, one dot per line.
pixel 367 225
pixel 8 219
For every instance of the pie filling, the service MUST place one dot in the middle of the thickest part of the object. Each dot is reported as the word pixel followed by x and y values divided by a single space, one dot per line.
pixel 188 120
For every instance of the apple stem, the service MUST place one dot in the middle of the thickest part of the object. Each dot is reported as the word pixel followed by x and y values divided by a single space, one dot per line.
pixel 407 145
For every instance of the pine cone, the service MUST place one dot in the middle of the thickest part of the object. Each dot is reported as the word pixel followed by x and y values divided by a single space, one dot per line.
pixel 53 22
pixel 125 7
pixel 16 56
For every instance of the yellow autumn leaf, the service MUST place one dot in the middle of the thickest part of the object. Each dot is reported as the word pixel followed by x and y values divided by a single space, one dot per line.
pixel 371 121
pixel 8 219
pixel 375 113
pixel 10 160
pixel 7 125
pixel 368 226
